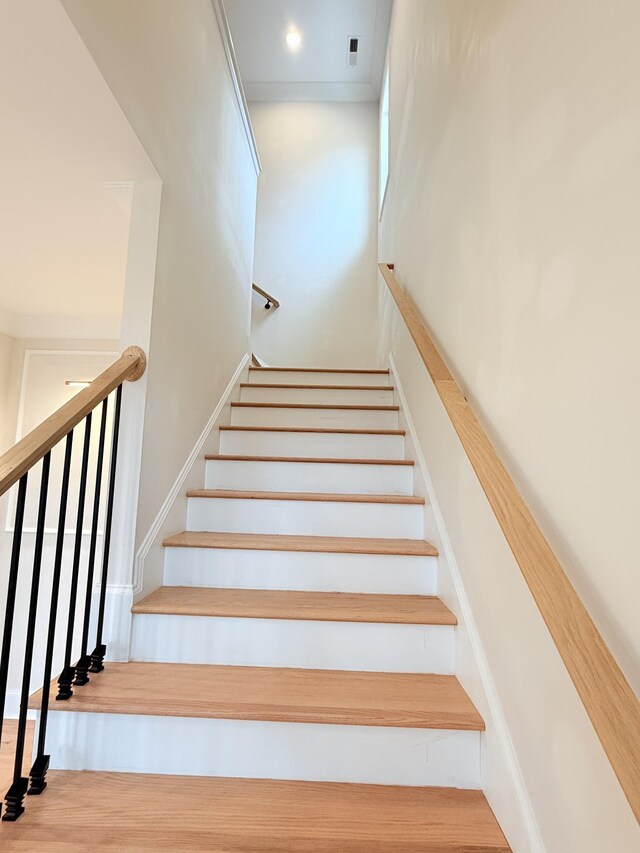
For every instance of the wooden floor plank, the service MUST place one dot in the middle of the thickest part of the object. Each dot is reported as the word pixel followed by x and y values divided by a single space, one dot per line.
pixel 405 700
pixel 285 604
pixel 318 497
pixel 316 544
pixel 132 813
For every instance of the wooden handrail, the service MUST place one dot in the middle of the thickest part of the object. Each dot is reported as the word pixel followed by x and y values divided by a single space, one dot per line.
pixel 271 300
pixel 607 696
pixel 29 450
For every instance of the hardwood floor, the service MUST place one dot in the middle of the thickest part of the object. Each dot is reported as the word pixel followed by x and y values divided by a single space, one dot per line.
pixel 131 813
pixel 9 731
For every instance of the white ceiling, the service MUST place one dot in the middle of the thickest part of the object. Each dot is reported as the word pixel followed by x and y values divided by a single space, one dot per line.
pixel 69 158
pixel 319 70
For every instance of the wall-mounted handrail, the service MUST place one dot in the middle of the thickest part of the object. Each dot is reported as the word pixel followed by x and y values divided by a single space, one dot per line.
pixel 17 465
pixel 271 300
pixel 607 696
pixel 29 450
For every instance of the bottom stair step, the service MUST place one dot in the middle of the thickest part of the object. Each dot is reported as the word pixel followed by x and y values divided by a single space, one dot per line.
pixel 133 812
pixel 268 723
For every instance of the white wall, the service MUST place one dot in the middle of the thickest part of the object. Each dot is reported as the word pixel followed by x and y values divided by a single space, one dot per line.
pixel 68 167
pixel 316 233
pixel 511 216
pixel 166 65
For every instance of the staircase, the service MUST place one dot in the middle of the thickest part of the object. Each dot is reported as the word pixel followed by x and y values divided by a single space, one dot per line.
pixel 297 645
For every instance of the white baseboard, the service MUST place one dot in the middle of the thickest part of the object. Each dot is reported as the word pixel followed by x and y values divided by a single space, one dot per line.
pixel 178 487
pixel 497 720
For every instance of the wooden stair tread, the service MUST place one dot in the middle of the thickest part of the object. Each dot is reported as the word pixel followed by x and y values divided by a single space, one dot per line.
pixel 338 406
pixel 317 387
pixel 276 694
pixel 313 429
pixel 235 457
pixel 320 370
pixel 315 497
pixel 317 544
pixel 218 815
pixel 296 605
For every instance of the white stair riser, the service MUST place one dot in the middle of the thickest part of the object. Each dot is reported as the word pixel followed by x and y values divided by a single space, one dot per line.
pixel 294 377
pixel 306 518
pixel 323 396
pixel 336 477
pixel 238 569
pixel 317 418
pixel 263 750
pixel 314 444
pixel 359 646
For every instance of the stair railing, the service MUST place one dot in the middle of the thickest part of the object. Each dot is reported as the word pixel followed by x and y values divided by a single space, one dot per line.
pixel 607 696
pixel 271 300
pixel 16 466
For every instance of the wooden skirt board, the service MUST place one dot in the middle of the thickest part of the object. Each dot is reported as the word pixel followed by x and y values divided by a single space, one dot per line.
pixel 132 813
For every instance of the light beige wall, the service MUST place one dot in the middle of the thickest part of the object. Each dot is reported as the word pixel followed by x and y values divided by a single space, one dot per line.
pixel 6 415
pixel 316 233
pixel 166 65
pixel 512 217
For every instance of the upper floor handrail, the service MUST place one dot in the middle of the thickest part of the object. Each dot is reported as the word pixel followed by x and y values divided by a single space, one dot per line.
pixel 271 300
pixel 611 704
pixel 29 450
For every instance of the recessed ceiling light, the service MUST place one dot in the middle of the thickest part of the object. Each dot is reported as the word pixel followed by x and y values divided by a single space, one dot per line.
pixel 293 39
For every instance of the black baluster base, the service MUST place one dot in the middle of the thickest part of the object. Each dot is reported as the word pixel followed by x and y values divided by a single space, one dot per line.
pixel 82 671
pixel 38 775
pixel 97 658
pixel 64 683
pixel 14 799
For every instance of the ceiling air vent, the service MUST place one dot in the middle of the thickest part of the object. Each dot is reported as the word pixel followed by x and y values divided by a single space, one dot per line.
pixel 352 55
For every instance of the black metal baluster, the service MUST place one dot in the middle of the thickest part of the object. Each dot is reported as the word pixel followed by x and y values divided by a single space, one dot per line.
pixel 41 764
pixel 100 650
pixel 11 595
pixel 66 677
pixel 84 662
pixel 15 795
